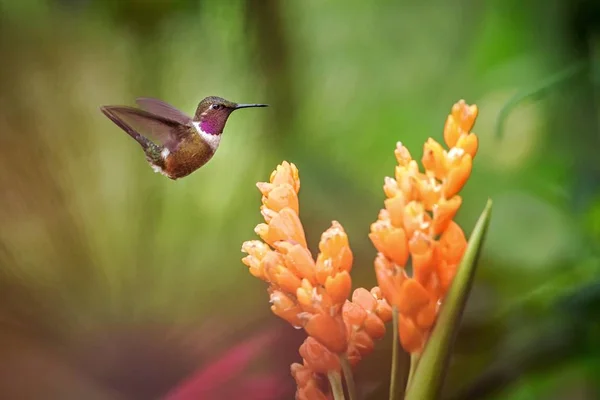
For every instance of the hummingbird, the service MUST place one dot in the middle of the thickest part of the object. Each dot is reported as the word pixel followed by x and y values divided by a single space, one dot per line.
pixel 175 144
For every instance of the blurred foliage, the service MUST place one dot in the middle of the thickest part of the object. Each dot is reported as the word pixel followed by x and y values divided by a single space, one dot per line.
pixel 118 282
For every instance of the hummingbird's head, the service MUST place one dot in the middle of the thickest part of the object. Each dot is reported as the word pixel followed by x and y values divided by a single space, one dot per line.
pixel 213 111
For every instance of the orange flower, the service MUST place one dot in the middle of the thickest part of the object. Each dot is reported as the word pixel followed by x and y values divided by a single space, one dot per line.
pixel 417 222
pixel 313 294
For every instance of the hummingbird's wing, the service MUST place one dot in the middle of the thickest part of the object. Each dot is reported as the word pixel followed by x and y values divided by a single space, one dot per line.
pixel 165 131
pixel 163 109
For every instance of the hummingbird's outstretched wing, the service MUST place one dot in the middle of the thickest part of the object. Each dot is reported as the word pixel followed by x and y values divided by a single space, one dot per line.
pixel 164 131
pixel 163 109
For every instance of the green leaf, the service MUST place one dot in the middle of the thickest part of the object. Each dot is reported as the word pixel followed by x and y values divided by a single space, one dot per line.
pixel 431 369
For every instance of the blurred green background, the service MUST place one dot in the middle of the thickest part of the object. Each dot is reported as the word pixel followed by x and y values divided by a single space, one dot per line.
pixel 117 283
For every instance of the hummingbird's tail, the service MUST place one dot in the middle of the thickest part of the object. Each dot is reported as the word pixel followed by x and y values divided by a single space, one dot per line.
pixel 152 150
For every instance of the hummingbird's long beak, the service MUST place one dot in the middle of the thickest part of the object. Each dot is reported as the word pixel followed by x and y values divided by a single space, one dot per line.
pixel 237 107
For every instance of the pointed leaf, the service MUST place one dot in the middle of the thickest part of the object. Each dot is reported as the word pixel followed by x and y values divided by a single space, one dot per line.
pixel 431 369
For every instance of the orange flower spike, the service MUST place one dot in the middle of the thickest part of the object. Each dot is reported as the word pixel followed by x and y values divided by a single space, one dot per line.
pixel 390 241
pixel 444 212
pixel 458 173
pixel 329 331
pixel 286 173
pixel 434 159
pixel 338 287
pixel 286 308
pixel 284 225
pixel 298 259
pixel 317 357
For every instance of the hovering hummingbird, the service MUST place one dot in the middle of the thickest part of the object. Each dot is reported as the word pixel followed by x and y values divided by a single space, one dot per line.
pixel 175 144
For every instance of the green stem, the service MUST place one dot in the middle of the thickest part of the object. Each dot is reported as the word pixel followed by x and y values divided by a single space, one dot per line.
pixel 347 369
pixel 395 358
pixel 335 380
pixel 414 360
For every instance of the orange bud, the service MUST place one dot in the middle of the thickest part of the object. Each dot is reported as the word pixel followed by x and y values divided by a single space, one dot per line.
pixel 280 197
pixel 446 273
pixel 307 296
pixel 434 159
pixel 430 191
pixel 256 250
pixel 383 310
pixel 416 218
pixel 317 357
pixel 389 278
pixel 451 131
pixel 390 187
pixel 395 208
pixel 329 331
pixel 469 143
pixel 453 243
pixel 334 246
pixel 363 342
pixel 286 173
pixel 402 154
pixel 426 316
pixel 422 253
pixel 269 265
pixel 286 308
pixel 390 241
pixel 458 173
pixel 298 259
pixel 285 279
pixel 405 176
pixel 412 297
pixel 464 115
pixel 374 326
pixel 338 287
pixel 283 226
pixel 444 212
pixel 410 337
pixel 364 299
pixel 354 315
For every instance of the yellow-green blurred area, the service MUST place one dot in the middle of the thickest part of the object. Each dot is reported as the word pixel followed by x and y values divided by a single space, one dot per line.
pixel 118 283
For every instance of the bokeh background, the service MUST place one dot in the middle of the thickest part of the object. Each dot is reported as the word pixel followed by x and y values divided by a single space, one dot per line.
pixel 117 283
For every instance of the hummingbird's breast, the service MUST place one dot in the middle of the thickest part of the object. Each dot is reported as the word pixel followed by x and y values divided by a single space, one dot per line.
pixel 192 153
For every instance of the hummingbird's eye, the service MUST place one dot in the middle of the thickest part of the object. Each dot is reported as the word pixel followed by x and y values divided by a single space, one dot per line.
pixel 216 106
